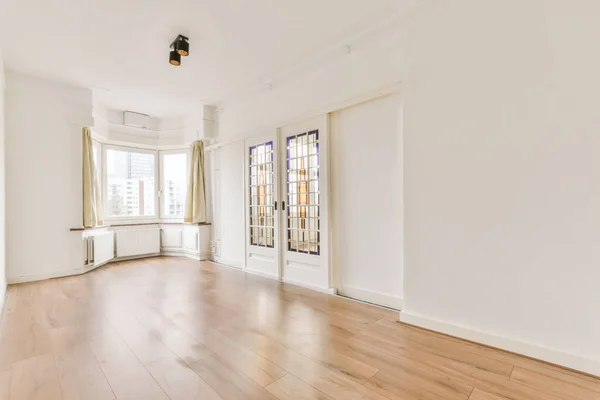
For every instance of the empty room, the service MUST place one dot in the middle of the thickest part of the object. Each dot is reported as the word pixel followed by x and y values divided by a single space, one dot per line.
pixel 299 200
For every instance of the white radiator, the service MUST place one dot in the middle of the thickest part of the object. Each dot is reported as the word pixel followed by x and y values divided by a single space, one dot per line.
pixel 99 248
pixel 137 242
pixel 172 238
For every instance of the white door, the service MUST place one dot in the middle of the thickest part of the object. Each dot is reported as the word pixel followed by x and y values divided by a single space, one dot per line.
pixel 304 207
pixel 262 219
pixel 366 201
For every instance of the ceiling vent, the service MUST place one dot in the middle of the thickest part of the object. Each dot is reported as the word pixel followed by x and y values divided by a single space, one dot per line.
pixel 136 120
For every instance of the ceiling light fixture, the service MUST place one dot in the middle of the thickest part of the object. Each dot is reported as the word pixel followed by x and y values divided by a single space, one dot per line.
pixel 180 47
pixel 174 58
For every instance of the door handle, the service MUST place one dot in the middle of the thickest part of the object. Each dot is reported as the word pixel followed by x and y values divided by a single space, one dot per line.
pixel 283 205
pixel 276 206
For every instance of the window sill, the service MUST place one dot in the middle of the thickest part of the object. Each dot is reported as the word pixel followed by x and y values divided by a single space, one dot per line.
pixel 138 224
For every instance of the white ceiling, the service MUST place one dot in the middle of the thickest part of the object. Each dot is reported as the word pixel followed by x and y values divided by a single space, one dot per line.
pixel 120 47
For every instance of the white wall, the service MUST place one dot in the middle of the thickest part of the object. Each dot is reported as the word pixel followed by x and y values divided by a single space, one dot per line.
pixel 228 204
pixel 502 172
pixel 370 69
pixel 345 78
pixel 2 193
pixel 43 163
pixel 366 200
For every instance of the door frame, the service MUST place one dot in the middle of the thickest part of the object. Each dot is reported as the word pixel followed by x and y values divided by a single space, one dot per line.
pixel 260 252
pixel 321 280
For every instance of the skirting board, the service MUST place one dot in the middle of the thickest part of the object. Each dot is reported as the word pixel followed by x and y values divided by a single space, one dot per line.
pixel 43 277
pixel 260 273
pixel 57 274
pixel 309 286
pixel 369 296
pixel 542 353
pixel 228 262
pixel 83 270
pixel 226 265
pixel 284 280
pixel 193 256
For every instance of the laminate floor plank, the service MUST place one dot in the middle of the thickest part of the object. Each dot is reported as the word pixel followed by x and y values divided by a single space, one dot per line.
pixel 481 395
pixel 25 334
pixel 80 375
pixel 291 388
pixel 4 385
pixel 180 382
pixel 555 372
pixel 326 356
pixel 139 339
pixel 179 342
pixel 418 382
pixel 243 359
pixel 227 382
pixel 551 386
pixel 333 383
pixel 35 378
pixel 124 372
pixel 173 328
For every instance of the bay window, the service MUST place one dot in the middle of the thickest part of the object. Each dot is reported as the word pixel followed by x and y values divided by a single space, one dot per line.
pixel 173 183
pixel 142 184
pixel 130 182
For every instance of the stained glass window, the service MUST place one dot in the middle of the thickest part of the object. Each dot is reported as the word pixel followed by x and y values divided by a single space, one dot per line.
pixel 303 213
pixel 262 213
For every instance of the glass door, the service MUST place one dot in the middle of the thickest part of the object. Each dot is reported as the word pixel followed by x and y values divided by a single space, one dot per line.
pixel 262 220
pixel 304 207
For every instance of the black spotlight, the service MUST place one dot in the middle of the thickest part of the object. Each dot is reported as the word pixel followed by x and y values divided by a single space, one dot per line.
pixel 179 47
pixel 175 58
pixel 182 46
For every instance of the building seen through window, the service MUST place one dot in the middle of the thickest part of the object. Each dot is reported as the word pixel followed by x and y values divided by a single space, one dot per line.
pixel 130 184
pixel 174 186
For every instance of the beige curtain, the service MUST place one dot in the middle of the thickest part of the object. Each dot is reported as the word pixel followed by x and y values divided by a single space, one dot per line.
pixel 195 205
pixel 93 213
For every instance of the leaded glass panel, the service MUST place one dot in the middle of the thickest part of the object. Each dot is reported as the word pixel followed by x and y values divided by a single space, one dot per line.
pixel 303 213
pixel 262 195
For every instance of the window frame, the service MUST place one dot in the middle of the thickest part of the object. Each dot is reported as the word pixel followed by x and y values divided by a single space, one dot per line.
pixel 160 188
pixel 132 149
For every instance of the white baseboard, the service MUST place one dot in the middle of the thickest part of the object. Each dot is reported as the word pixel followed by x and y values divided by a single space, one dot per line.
pixel 260 273
pixel 310 286
pixel 536 351
pixel 227 265
pixel 369 296
pixel 44 276
pixel 93 267
pixel 228 262
pixel 188 254
pixel 274 277
pixel 83 269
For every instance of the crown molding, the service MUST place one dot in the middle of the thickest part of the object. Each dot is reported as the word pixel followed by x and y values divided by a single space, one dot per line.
pixel 387 30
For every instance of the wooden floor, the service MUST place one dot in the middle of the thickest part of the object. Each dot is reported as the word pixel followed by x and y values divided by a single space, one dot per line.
pixel 173 328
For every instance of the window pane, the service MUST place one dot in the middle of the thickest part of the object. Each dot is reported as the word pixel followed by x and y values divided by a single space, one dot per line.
pixel 174 185
pixel 130 184
pixel 303 193
pixel 262 223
